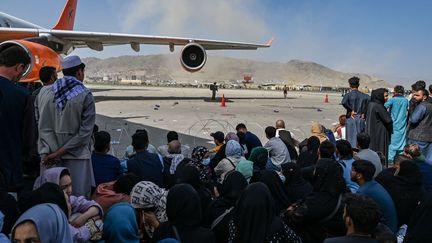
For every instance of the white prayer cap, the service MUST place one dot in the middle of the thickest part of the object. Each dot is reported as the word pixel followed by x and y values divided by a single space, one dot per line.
pixel 71 61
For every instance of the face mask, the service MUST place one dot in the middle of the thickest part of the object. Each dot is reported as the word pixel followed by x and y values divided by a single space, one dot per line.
pixel 205 161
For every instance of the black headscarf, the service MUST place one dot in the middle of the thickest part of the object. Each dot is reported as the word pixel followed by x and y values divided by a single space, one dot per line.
pixel 232 187
pixel 328 177
pixel 309 157
pixel 190 174
pixel 277 189
pixel 47 193
pixel 406 189
pixel 419 224
pixel 377 95
pixel 183 206
pixel 296 186
pixel 254 215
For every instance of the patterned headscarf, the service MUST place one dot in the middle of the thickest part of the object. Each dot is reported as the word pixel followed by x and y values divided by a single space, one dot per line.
pixel 198 154
pixel 147 195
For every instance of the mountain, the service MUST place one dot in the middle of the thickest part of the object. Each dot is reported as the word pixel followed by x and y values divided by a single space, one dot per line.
pixel 218 68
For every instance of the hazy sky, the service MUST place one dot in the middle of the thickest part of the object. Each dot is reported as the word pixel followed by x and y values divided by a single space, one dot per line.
pixel 391 39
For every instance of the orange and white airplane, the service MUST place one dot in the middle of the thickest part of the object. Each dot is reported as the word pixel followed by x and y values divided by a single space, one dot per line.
pixel 46 46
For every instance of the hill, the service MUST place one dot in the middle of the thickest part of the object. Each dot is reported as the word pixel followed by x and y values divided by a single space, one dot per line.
pixel 218 68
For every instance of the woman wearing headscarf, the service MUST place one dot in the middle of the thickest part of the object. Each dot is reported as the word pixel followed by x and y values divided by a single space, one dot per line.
pixel 151 199
pixel 189 174
pixel 419 224
pixel 184 217
pixel 277 189
pixel 82 225
pixel 219 212
pixel 233 152
pixel 198 157
pixel 405 187
pixel 42 223
pixel 378 122
pixel 296 186
pixel 319 214
pixel 317 130
pixel 259 157
pixel 220 155
pixel 310 156
pixel 120 224
pixel 255 220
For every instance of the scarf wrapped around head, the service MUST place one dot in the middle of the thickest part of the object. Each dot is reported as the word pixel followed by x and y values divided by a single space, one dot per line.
pixel 318 131
pixel 198 155
pixel 233 149
pixel 66 89
pixel 148 195
pixel 259 156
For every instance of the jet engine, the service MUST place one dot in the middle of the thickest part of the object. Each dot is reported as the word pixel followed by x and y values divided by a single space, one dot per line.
pixel 40 56
pixel 193 57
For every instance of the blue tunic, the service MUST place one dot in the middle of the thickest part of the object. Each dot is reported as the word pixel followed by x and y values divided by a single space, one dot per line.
pixel 355 101
pixel 398 108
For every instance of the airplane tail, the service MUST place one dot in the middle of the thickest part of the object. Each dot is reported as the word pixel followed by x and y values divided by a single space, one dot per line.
pixel 67 18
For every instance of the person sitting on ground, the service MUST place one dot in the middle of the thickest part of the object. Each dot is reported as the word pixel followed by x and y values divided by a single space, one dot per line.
pixel 42 223
pixel 234 155
pixel 288 139
pixel 345 154
pixel 255 219
pixel 296 186
pixel 110 193
pixel 82 210
pixel 326 153
pixel 218 138
pixel 219 212
pixel 171 162
pixel 106 167
pixel 250 139
pixel 150 201
pixel 362 172
pixel 277 189
pixel 278 152
pixel 413 152
pixel 120 224
pixel 319 214
pixel 220 155
pixel 361 217
pixel 259 158
pixel 365 153
pixel 339 131
pixel 130 152
pixel 190 174
pixel 171 136
pixel 405 187
pixel 147 166
pixel 310 156
pixel 317 130
pixel 419 224
pixel 184 212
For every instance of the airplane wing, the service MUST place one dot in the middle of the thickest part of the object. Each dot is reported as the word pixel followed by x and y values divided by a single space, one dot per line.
pixel 96 40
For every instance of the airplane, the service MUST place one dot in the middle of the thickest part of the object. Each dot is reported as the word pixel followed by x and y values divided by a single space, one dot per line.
pixel 46 47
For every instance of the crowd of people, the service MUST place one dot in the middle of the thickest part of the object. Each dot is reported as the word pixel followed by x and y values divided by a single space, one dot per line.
pixel 368 179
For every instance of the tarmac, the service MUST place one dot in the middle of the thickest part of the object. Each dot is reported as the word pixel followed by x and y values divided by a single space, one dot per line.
pixel 189 111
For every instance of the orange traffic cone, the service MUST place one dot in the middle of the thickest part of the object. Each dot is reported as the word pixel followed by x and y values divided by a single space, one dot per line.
pixel 326 99
pixel 223 101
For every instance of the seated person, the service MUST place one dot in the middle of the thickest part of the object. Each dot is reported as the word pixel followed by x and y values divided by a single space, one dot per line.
pixel 110 193
pixel 219 139
pixel 147 166
pixel 42 223
pixel 106 167
pixel 361 217
pixel 171 161
pixel 82 210
pixel 172 136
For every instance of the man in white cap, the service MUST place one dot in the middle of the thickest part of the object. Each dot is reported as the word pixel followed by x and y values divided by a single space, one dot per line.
pixel 65 112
